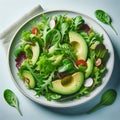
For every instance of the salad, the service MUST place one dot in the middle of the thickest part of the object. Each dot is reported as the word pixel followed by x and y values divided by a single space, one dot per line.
pixel 61 58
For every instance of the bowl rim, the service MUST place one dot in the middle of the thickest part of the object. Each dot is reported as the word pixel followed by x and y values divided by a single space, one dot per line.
pixel 36 100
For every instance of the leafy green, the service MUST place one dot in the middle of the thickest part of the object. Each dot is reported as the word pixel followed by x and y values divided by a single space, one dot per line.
pixel 77 22
pixel 26 35
pixel 101 51
pixel 64 28
pixel 92 37
pixel 67 65
pixel 97 75
pixel 43 83
pixel 52 96
pixel 45 65
pixel 107 98
pixel 11 99
pixel 28 51
pixel 20 49
pixel 53 36
pixel 68 51
pixel 104 18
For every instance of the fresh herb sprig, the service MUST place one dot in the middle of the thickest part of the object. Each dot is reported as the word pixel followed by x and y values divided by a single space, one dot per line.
pixel 11 99
pixel 104 18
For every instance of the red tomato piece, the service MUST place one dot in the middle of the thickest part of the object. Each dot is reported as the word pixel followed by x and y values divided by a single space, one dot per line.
pixel 35 30
pixel 81 62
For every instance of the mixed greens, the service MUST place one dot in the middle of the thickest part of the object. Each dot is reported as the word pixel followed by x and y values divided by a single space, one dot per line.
pixel 61 58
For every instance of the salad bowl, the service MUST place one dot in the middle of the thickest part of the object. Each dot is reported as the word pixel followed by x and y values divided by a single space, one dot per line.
pixel 15 42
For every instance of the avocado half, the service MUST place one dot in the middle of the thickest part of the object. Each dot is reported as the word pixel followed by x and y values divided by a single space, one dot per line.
pixel 79 45
pixel 69 84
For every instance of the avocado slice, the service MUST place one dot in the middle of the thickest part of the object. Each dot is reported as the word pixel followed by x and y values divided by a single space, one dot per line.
pixel 68 85
pixel 79 45
pixel 35 52
pixel 28 79
pixel 89 68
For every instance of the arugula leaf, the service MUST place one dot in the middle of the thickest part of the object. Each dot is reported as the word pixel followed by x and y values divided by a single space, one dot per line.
pixel 53 36
pixel 64 29
pixel 43 83
pixel 77 22
pixel 92 37
pixel 68 51
pixel 97 75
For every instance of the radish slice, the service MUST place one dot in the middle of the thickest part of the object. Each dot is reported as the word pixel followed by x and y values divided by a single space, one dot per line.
pixel 88 82
pixel 98 62
pixel 52 23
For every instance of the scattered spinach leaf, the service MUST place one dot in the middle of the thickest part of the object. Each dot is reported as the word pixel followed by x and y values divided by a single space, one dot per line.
pixel 11 99
pixel 104 18
pixel 107 98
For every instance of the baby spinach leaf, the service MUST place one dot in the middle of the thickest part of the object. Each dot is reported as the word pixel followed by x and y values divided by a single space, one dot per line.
pixel 104 18
pixel 107 98
pixel 11 99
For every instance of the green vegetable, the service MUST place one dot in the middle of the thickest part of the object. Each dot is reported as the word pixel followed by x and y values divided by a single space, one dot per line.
pixel 101 51
pixel 52 96
pixel 67 66
pixel 107 99
pixel 26 35
pixel 92 37
pixel 45 65
pixel 11 99
pixel 53 36
pixel 77 22
pixel 104 18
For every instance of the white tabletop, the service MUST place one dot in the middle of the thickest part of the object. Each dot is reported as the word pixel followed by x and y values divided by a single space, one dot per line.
pixel 10 11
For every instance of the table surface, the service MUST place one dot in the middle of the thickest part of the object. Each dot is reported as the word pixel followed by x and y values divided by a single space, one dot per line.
pixel 11 10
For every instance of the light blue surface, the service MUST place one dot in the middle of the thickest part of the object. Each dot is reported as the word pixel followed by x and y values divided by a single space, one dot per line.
pixel 12 10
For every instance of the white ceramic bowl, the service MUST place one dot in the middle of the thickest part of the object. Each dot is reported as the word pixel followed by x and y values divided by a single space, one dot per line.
pixel 31 94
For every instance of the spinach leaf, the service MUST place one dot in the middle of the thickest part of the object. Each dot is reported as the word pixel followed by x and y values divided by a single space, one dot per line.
pixel 107 99
pixel 11 99
pixel 104 18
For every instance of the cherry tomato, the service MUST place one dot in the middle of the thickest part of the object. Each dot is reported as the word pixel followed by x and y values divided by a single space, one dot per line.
pixel 81 62
pixel 35 30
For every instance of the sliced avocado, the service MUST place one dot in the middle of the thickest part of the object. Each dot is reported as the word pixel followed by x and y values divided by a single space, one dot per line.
pixel 35 52
pixel 89 68
pixel 79 45
pixel 68 85
pixel 28 79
